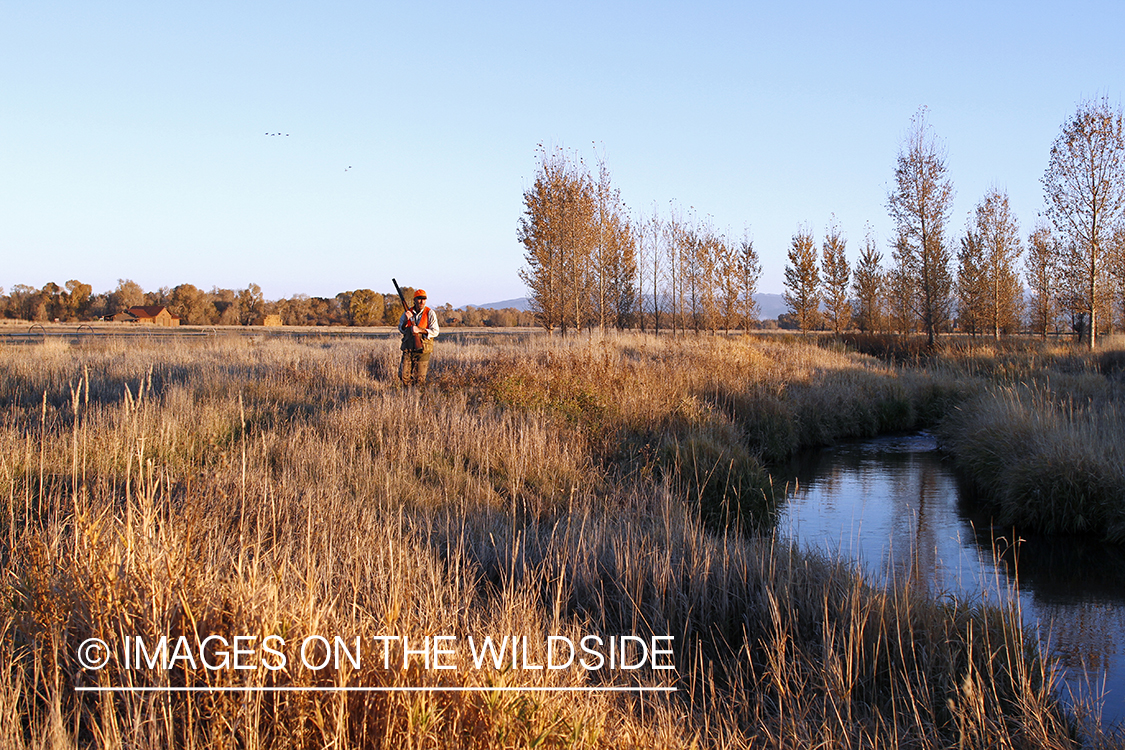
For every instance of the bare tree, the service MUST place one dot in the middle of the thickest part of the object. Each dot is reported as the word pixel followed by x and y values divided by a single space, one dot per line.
pixel 674 245
pixel 1084 186
pixel 727 280
pixel 867 285
pixel 836 274
pixel 802 280
pixel 651 231
pixel 1041 271
pixel 919 206
pixel 690 272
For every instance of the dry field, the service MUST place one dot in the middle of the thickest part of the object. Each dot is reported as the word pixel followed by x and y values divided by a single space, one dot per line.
pixel 261 487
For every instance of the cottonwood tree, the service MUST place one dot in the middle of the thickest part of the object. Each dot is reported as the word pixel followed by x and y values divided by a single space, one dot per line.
pixel 127 294
pixel 867 285
pixel 1041 272
pixel 836 274
pixel 191 305
pixel 22 300
pixel 919 206
pixel 77 299
pixel 802 280
pixel 1084 186
pixel 251 304
pixel 365 307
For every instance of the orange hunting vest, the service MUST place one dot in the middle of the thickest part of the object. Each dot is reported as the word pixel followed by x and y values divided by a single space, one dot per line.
pixel 422 321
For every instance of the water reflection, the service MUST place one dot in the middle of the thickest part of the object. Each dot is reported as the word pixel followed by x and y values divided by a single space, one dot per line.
pixel 895 505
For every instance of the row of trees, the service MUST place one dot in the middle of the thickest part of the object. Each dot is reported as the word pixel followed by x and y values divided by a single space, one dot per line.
pixel 589 264
pixel 1074 267
pixel 75 302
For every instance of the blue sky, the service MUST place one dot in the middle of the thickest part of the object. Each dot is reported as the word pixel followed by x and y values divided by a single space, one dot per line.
pixel 133 135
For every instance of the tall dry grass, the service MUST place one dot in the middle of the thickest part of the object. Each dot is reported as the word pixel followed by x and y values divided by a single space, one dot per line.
pixel 537 488
pixel 1043 437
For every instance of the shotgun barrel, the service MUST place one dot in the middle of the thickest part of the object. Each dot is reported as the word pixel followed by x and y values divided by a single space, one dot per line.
pixel 406 309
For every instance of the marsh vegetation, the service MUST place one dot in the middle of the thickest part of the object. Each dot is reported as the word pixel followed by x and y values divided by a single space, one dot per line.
pixel 540 487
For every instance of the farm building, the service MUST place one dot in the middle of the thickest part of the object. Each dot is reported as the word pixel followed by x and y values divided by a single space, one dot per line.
pixel 151 315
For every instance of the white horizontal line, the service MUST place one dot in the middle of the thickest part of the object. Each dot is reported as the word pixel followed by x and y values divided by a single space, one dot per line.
pixel 313 689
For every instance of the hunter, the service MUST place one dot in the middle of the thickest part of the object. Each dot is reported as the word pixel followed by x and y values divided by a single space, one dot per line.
pixel 419 328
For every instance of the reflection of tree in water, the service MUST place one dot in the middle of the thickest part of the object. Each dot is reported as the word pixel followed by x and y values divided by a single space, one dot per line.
pixel 1057 569
pixel 918 485
pixel 911 484
pixel 913 519
pixel 1083 635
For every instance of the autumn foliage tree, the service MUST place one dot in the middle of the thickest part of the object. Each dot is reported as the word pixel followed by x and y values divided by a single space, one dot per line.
pixel 836 274
pixel 579 246
pixel 802 280
pixel 867 286
pixel 749 268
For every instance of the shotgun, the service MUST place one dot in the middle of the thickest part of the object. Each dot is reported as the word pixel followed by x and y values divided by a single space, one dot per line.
pixel 405 309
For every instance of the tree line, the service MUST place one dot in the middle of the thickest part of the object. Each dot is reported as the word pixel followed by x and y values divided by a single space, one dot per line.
pixel 1073 260
pixel 590 263
pixel 76 302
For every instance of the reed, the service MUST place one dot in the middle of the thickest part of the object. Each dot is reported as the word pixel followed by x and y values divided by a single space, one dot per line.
pixel 538 488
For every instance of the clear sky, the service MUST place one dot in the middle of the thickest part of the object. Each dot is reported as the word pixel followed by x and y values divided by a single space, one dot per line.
pixel 133 134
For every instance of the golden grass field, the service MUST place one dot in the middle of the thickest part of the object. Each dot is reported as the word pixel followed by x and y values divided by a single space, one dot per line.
pixel 539 487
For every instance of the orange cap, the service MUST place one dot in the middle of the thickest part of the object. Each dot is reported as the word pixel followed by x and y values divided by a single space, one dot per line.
pixel 419 293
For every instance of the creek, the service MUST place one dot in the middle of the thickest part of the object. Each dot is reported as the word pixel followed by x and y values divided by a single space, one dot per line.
pixel 895 505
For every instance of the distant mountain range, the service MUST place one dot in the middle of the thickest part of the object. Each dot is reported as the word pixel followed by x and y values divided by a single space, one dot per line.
pixel 769 305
